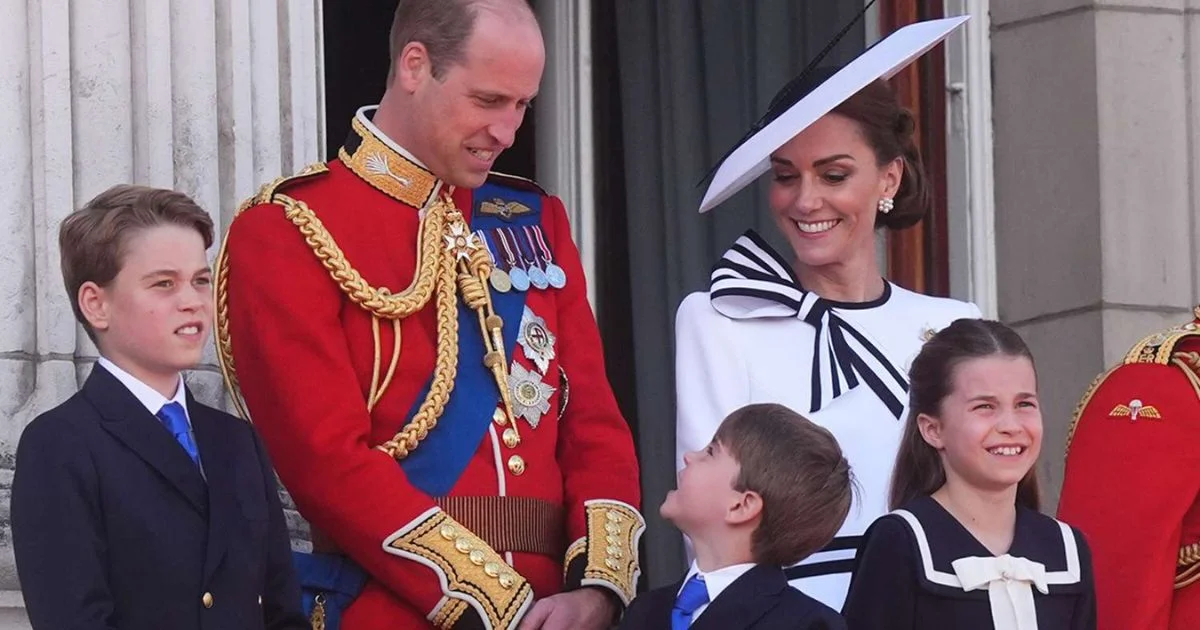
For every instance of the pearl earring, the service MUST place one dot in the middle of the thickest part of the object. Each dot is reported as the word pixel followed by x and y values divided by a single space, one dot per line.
pixel 886 204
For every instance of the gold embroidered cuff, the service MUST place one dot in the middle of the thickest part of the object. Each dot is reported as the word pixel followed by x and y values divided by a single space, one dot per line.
pixel 448 612
pixel 467 568
pixel 611 548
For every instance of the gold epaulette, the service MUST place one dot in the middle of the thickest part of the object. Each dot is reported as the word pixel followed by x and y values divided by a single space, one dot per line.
pixel 1158 348
pixel 516 181
pixel 265 194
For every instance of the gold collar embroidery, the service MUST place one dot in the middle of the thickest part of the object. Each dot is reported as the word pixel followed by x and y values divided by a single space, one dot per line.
pixel 381 166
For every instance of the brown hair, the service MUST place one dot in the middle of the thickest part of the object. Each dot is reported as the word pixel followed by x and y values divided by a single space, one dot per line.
pixel 443 26
pixel 919 471
pixel 92 239
pixel 889 128
pixel 798 469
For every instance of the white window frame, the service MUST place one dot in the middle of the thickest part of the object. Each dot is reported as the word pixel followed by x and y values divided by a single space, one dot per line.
pixel 969 157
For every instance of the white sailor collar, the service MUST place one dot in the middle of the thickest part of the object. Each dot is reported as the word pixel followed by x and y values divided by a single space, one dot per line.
pixel 752 281
pixel 941 540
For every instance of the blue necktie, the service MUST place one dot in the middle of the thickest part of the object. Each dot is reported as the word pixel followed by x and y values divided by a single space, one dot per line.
pixel 693 596
pixel 174 418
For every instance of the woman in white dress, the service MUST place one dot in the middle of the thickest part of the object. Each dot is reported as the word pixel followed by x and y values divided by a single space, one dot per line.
pixel 819 329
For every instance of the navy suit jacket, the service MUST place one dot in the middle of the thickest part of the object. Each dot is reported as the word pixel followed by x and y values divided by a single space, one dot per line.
pixel 115 528
pixel 760 599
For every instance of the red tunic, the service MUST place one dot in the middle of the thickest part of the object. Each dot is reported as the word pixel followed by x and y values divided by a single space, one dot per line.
pixel 305 358
pixel 1132 484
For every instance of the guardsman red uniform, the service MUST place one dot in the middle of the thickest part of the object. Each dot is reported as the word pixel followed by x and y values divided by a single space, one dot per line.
pixel 1132 483
pixel 425 369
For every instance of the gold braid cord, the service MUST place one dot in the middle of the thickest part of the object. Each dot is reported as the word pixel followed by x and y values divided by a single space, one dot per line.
pixel 221 285
pixel 448 259
pixel 379 302
pixel 435 273
pixel 1081 405
pixel 1188 567
pixel 1189 362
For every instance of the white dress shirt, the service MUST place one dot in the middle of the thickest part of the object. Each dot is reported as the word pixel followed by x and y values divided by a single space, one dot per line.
pixel 715 582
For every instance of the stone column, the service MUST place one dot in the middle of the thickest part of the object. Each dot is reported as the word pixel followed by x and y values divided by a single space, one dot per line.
pixel 1096 134
pixel 211 97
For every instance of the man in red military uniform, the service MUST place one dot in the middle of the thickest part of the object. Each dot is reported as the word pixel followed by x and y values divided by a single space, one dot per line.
pixel 1133 483
pixel 411 336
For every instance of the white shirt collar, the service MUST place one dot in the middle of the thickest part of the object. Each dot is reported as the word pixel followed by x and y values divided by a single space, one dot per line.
pixel 150 399
pixel 716 581
pixel 366 121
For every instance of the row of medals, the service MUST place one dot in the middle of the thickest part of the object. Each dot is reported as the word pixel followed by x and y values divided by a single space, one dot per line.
pixel 507 245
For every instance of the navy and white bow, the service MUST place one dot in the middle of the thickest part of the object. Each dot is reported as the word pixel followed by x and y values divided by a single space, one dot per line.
pixel 752 281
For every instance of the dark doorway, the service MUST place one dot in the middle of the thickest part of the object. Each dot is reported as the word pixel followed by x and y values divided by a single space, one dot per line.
pixel 356 68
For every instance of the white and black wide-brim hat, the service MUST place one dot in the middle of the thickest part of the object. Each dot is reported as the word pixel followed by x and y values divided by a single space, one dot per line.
pixel 814 93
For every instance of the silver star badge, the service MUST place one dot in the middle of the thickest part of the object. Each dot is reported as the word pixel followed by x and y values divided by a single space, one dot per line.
pixel 530 396
pixel 536 340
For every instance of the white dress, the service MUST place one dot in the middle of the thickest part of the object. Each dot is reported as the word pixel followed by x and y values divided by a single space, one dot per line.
pixel 756 336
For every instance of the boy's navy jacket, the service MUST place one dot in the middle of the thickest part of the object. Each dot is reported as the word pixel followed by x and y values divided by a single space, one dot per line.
pixel 114 527
pixel 760 599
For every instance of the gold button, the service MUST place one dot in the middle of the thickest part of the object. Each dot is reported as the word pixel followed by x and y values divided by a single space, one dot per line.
pixel 448 532
pixel 476 556
pixel 492 569
pixel 516 465
pixel 613 516
pixel 612 564
pixel 507 580
pixel 463 545
pixel 499 417
pixel 207 600
pixel 511 439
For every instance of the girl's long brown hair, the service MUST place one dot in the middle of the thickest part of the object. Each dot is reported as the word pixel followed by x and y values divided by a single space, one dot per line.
pixel 919 470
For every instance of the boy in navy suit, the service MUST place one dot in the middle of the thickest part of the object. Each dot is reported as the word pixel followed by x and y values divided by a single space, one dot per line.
pixel 770 489
pixel 133 505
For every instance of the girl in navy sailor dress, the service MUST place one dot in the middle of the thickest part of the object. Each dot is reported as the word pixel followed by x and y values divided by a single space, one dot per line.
pixel 965 546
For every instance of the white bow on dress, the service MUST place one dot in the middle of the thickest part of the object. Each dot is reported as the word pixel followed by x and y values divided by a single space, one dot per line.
pixel 1009 581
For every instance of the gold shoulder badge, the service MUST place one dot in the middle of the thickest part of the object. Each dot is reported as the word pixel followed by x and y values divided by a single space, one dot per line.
pixel 1135 410
pixel 503 209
